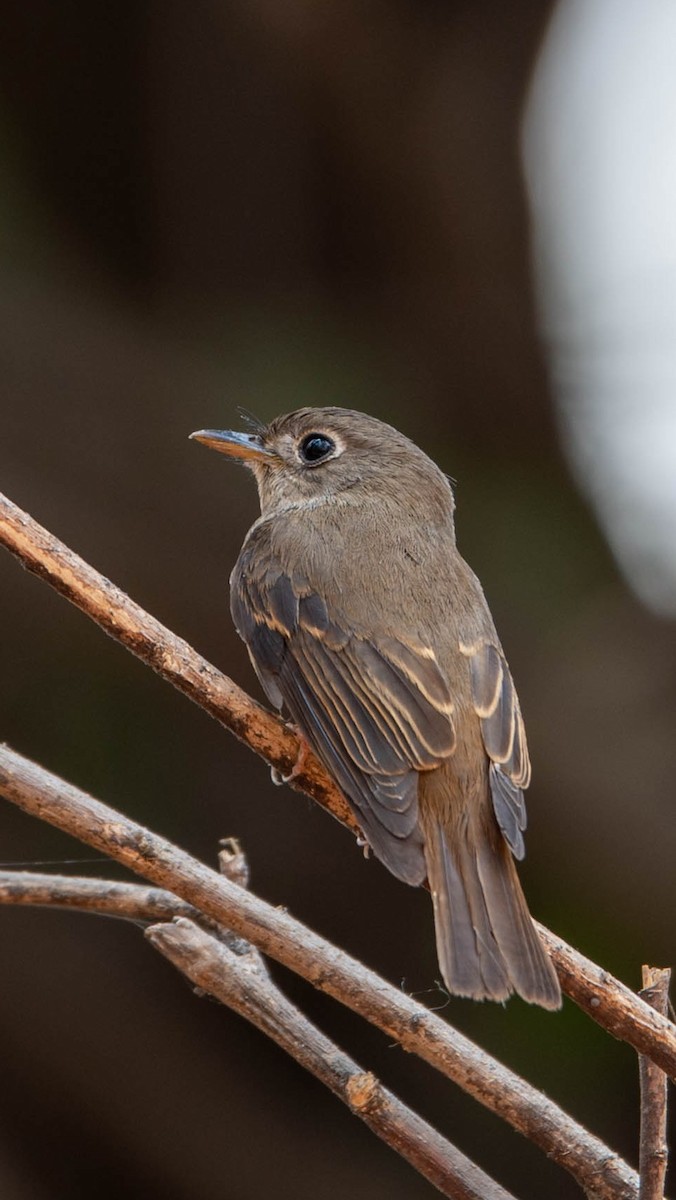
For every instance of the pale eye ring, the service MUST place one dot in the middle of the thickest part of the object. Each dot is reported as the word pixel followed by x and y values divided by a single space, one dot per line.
pixel 315 447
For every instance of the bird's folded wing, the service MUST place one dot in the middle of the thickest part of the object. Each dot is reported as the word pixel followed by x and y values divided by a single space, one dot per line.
pixel 375 710
pixel 504 737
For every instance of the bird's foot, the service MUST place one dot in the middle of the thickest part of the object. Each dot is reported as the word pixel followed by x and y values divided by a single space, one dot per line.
pixel 303 749
pixel 362 841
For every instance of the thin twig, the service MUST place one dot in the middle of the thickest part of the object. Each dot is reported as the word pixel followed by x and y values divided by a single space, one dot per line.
pixel 102 897
pixel 653 1150
pixel 233 864
pixel 109 898
pixel 594 1165
pixel 219 973
pixel 611 1004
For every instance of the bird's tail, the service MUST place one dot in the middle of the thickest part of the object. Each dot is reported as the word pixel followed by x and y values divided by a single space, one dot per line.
pixel 487 944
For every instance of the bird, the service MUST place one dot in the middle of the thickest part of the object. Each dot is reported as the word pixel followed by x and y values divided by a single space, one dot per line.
pixel 369 630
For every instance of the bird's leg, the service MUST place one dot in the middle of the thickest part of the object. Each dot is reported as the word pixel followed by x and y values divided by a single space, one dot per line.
pixel 303 749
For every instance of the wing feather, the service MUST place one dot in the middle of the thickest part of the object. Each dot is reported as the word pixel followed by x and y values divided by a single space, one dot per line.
pixel 375 711
pixel 504 737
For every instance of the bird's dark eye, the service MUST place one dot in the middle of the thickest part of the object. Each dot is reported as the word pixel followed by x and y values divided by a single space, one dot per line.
pixel 315 447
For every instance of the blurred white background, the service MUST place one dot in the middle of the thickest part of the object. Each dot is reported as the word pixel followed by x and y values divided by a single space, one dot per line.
pixel 600 151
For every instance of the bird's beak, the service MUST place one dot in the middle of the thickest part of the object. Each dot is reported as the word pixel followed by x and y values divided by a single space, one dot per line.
pixel 247 446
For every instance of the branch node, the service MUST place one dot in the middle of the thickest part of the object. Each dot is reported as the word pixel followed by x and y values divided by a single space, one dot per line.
pixel 232 862
pixel 363 1092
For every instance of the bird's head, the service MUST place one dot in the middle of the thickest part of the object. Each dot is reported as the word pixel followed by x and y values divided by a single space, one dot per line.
pixel 318 454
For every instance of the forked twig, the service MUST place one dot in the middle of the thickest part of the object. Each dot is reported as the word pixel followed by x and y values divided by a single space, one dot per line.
pixel 597 1169
pixel 220 973
pixel 233 971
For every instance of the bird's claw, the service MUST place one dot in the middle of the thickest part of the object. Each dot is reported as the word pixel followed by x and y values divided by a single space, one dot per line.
pixel 276 775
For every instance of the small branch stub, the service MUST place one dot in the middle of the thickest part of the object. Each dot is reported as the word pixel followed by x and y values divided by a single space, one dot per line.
pixel 363 1092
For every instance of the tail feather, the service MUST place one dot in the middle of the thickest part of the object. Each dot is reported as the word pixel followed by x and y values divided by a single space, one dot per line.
pixel 487 944
pixel 530 967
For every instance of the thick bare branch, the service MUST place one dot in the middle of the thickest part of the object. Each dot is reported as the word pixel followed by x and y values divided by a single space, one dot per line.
pixel 653 1150
pixel 593 1164
pixel 218 972
pixel 44 555
pixel 605 999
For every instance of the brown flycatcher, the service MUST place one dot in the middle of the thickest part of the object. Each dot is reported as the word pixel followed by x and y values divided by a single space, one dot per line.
pixel 364 622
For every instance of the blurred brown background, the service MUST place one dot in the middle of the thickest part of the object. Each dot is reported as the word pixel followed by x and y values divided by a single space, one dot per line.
pixel 273 205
